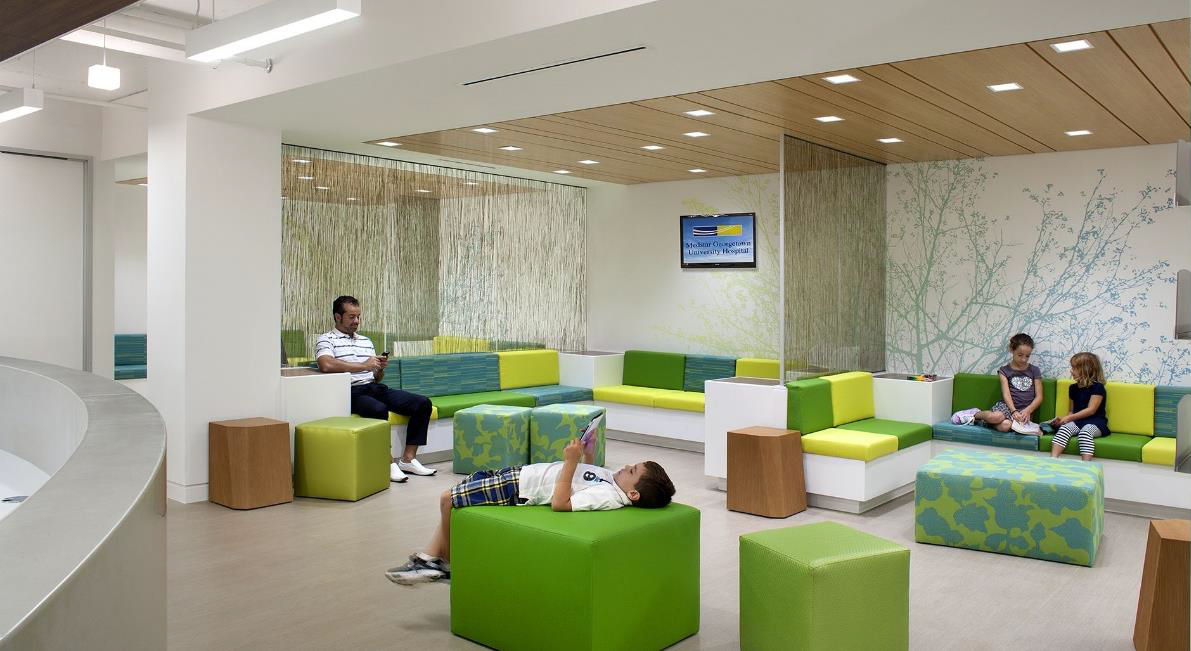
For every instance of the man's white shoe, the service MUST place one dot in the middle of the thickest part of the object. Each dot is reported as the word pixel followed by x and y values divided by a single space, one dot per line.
pixel 415 467
pixel 395 473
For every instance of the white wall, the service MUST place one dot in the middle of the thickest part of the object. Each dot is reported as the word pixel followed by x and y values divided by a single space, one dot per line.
pixel 60 127
pixel 42 258
pixel 125 132
pixel 640 297
pixel 129 214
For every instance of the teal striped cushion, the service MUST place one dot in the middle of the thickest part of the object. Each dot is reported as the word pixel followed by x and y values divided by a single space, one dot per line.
pixel 131 350
pixel 442 375
pixel 1166 409
pixel 700 368
pixel 555 393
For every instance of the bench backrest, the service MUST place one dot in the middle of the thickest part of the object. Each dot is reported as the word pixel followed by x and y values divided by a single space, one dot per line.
pixel 527 368
pixel 983 391
pixel 756 367
pixel 1129 407
pixel 1166 409
pixel 700 368
pixel 818 403
pixel 645 368
pixel 442 375
pixel 131 350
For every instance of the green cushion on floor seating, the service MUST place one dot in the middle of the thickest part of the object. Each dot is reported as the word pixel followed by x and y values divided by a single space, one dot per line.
pixel 808 405
pixel 823 586
pixel 644 368
pixel 448 405
pixel 907 433
pixel 490 437
pixel 527 578
pixel 553 426
pixel 1038 507
pixel 341 458
pixel 1124 447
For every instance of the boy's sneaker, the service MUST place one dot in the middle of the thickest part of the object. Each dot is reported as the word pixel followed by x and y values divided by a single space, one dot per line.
pixel 415 467
pixel 419 569
pixel 395 473
pixel 965 416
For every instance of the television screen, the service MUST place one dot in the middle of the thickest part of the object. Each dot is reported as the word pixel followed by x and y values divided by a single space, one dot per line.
pixel 718 240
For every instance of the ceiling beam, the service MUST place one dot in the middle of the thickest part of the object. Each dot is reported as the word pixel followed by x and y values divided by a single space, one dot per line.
pixel 25 24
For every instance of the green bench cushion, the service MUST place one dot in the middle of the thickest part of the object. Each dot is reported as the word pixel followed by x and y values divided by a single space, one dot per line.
pixel 527 578
pixel 1123 447
pixel 808 405
pixel 442 375
pixel 907 433
pixel 644 368
pixel 448 405
pixel 700 368
pixel 983 391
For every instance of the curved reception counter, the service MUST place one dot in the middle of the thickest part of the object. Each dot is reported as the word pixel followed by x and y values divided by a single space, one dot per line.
pixel 82 559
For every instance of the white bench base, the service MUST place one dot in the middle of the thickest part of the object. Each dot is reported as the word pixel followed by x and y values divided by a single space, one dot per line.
pixel 654 421
pixel 856 486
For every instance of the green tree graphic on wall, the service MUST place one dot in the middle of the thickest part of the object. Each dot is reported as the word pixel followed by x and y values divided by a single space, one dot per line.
pixel 961 281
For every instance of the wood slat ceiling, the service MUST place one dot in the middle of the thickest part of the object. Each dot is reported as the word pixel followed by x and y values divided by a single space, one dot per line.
pixel 25 24
pixel 1131 88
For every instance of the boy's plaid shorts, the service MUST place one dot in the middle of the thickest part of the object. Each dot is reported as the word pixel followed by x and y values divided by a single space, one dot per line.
pixel 488 488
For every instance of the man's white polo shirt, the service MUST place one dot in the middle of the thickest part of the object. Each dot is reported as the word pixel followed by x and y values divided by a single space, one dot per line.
pixel 347 348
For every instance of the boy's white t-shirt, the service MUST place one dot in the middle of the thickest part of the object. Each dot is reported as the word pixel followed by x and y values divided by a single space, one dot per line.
pixel 592 488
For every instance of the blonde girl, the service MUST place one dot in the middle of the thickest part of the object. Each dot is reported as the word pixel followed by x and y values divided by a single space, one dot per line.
pixel 1086 418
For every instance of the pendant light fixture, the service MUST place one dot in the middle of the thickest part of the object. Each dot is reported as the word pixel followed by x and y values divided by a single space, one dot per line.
pixel 103 76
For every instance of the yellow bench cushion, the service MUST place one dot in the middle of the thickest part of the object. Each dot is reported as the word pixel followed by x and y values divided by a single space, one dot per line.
pixel 527 368
pixel 756 367
pixel 851 397
pixel 1129 407
pixel 848 444
pixel 1159 451
pixel 627 394
pixel 684 400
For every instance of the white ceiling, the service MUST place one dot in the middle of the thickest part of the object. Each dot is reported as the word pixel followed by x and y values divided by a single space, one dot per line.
pixel 692 45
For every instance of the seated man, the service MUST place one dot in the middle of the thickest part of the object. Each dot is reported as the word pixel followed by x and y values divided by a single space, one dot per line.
pixel 342 350
pixel 565 485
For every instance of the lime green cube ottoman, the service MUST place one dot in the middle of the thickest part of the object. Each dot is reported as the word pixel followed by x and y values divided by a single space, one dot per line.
pixel 823 586
pixel 553 426
pixel 526 577
pixel 490 437
pixel 1038 507
pixel 341 458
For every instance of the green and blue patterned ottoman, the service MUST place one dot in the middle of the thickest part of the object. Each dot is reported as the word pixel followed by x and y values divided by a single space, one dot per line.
pixel 490 437
pixel 1038 507
pixel 553 426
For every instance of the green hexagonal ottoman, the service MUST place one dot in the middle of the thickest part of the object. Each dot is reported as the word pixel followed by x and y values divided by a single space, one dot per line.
pixel 490 437
pixel 823 586
pixel 553 426
pixel 1051 509
pixel 341 458
pixel 526 577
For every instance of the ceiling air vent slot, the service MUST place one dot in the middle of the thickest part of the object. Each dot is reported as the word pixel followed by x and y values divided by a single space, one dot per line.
pixel 557 65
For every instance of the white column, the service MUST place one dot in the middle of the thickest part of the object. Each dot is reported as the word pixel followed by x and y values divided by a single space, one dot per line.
pixel 214 282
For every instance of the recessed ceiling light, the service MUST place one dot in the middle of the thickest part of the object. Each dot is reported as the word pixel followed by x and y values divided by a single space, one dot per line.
pixel 1071 46
pixel 889 141
pixel 697 170
pixel 351 198
pixel 699 113
pixel 696 134
pixel 389 143
pixel 841 79
pixel 300 161
pixel 484 130
pixel 1080 132
pixel 653 147
pixel 588 161
pixel 321 187
pixel 421 190
pixel 470 183
pixel 829 118
pixel 562 171
pixel 510 148
pixel 1000 88
pixel 305 178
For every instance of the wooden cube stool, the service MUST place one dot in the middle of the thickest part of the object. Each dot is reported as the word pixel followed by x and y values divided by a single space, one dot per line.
pixel 765 475
pixel 248 463
pixel 1162 608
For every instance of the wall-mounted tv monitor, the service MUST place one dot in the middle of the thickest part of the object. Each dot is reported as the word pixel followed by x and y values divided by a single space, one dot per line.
pixel 718 240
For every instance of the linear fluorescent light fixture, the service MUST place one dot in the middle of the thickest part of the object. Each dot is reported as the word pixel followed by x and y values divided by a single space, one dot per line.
pixel 388 143
pixel 841 79
pixel 1080 132
pixel 562 171
pixel 510 148
pixel 697 170
pixel 1000 88
pixel 699 113
pixel 829 118
pixel 696 134
pixel 588 161
pixel 653 147
pixel 21 101
pixel 484 130
pixel 268 23
pixel 888 141
pixel 1071 46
